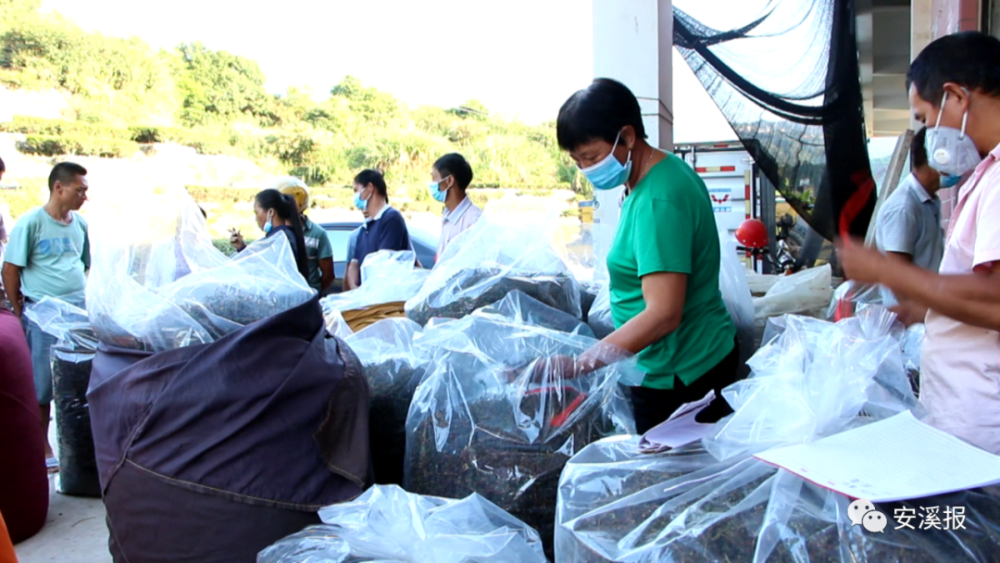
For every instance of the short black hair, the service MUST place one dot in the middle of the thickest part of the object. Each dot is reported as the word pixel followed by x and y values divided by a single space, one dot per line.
pixel 918 150
pixel 3 167
pixel 598 112
pixel 64 173
pixel 455 165
pixel 970 59
pixel 203 213
pixel 375 178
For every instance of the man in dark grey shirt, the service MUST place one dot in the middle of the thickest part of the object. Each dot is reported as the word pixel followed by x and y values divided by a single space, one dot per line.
pixel 909 222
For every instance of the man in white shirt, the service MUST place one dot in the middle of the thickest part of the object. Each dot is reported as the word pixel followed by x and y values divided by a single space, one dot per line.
pixel 909 222
pixel 451 177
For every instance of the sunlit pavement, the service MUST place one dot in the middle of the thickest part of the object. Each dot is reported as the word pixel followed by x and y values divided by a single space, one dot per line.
pixel 75 531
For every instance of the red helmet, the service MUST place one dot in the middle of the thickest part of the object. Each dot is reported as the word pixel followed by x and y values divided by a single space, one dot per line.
pixel 752 234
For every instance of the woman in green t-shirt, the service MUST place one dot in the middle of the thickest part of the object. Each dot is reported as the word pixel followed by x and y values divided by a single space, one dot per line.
pixel 664 262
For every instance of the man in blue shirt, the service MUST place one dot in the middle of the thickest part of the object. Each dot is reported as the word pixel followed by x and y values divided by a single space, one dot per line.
pixel 384 228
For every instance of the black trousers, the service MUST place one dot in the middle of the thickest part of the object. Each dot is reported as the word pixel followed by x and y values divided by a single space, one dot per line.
pixel 653 406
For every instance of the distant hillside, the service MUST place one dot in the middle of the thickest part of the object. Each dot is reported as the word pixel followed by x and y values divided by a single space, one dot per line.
pixel 115 96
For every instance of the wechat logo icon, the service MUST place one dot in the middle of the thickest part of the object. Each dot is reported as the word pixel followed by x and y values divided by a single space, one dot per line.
pixel 863 513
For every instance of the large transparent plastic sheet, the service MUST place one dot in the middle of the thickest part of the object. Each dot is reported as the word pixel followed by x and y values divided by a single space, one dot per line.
pixel 386 277
pixel 685 506
pixel 389 524
pixel 851 297
pixel 736 295
pixel 157 283
pixel 785 74
pixel 495 417
pixel 714 502
pixel 393 369
pixel 488 261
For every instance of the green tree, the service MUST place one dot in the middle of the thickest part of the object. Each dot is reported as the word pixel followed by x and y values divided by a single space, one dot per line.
pixel 472 109
pixel 220 86
pixel 374 106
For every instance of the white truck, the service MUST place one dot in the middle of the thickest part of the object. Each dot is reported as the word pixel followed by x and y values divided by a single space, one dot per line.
pixel 730 176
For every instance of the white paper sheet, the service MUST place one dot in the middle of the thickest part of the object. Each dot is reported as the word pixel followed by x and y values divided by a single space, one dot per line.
pixel 678 430
pixel 895 459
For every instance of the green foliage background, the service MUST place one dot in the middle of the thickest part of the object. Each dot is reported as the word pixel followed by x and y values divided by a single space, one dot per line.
pixel 125 94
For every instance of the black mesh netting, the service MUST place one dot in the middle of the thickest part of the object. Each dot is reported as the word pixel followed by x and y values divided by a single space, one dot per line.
pixel 788 81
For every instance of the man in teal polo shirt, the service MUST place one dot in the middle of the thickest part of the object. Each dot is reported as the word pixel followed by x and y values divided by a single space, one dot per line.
pixel 48 256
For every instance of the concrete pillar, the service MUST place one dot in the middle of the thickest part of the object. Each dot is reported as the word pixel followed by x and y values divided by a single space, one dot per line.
pixel 952 16
pixel 921 25
pixel 931 20
pixel 633 44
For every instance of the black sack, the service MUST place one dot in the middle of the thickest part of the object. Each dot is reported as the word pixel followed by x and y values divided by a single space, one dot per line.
pixel 77 461
pixel 71 357
pixel 211 453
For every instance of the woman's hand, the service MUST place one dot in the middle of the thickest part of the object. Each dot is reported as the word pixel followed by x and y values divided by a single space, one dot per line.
pixel 567 367
pixel 554 368
pixel 236 239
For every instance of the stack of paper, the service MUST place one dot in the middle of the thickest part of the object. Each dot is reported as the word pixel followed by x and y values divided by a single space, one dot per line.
pixel 899 458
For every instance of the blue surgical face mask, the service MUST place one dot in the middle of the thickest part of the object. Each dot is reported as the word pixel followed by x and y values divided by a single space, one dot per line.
pixel 436 192
pixel 609 173
pixel 267 224
pixel 361 204
pixel 949 181
pixel 950 151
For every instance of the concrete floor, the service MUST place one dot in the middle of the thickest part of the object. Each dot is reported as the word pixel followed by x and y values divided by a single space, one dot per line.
pixel 75 531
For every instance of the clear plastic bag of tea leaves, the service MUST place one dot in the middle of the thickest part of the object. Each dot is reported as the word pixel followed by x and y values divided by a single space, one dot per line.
pixel 616 504
pixel 499 414
pixel 388 524
pixel 520 308
pixel 488 261
pixel 261 281
pixel 913 342
pixel 713 501
pixel 393 369
pixel 813 380
pixel 72 357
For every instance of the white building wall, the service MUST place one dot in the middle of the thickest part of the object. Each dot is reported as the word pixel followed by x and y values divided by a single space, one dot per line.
pixel 633 44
